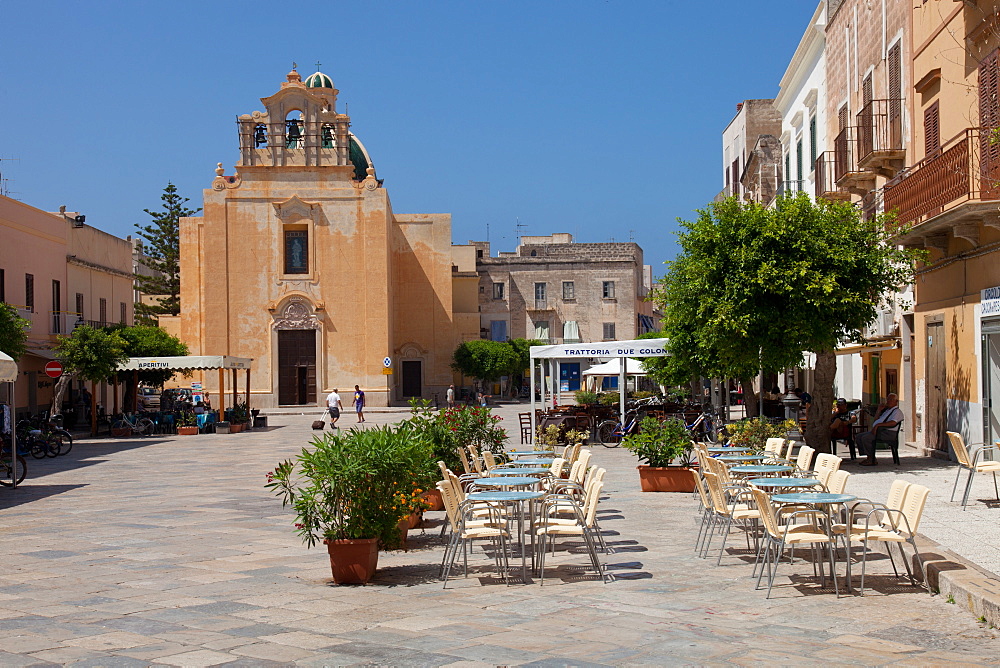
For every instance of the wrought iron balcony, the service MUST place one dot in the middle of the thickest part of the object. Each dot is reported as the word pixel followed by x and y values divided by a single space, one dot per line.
pixel 966 169
pixel 880 137
pixel 826 186
pixel 790 187
pixel 63 322
pixel 847 173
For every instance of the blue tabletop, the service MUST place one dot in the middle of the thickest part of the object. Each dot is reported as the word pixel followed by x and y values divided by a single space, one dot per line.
pixel 742 458
pixel 505 481
pixel 518 453
pixel 716 451
pixel 504 496
pixel 761 468
pixel 784 482
pixel 524 470
pixel 537 462
pixel 813 497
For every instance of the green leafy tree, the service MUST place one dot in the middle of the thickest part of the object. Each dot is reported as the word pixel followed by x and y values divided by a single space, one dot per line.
pixel 162 255
pixel 522 347
pixel 754 287
pixel 485 360
pixel 147 341
pixel 13 332
pixel 92 354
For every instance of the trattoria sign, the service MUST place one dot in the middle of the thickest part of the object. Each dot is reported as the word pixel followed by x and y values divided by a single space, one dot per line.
pixel 640 348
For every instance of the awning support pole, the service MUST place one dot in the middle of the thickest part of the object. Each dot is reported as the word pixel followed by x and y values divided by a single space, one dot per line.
pixel 534 426
pixel 222 393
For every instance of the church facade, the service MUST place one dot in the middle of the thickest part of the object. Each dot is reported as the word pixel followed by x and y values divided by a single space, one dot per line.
pixel 299 262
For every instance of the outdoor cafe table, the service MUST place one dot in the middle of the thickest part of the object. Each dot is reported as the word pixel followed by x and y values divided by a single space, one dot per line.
pixel 515 497
pixel 547 461
pixel 782 482
pixel 517 454
pixel 742 458
pixel 761 468
pixel 730 449
pixel 822 500
pixel 522 471
pixel 505 481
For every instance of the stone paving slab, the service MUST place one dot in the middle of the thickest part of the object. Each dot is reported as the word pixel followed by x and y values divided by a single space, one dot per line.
pixel 169 551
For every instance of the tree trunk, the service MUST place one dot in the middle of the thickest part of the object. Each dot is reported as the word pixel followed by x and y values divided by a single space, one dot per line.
pixel 750 405
pixel 57 395
pixel 818 416
pixel 695 387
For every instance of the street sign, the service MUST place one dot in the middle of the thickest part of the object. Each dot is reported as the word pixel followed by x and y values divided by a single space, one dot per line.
pixel 53 369
pixel 387 362
pixel 387 371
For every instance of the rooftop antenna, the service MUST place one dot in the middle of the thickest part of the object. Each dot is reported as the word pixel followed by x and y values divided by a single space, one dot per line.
pixel 5 182
pixel 518 226
pixel 487 232
pixel 631 236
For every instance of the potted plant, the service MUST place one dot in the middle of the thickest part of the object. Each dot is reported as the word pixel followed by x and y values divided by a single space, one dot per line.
pixel 238 417
pixel 586 397
pixel 187 424
pixel 352 489
pixel 665 450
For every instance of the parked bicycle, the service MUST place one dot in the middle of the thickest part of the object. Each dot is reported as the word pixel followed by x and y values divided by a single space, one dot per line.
pixel 705 427
pixel 39 444
pixel 7 464
pixel 127 425
pixel 52 435
pixel 611 432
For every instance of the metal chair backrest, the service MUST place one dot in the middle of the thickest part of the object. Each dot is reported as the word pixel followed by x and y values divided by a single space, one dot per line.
pixel 804 460
pixel 716 494
pixel 465 459
pixel 913 507
pixel 590 503
pixel 700 486
pixel 767 516
pixel 961 452
pixel 475 459
pixel 825 465
pixel 489 460
pixel 582 463
pixel 450 504
pixel 837 481
pixel 773 446
pixel 557 467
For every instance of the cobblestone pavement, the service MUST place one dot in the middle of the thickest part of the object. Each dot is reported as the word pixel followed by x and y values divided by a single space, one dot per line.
pixel 169 551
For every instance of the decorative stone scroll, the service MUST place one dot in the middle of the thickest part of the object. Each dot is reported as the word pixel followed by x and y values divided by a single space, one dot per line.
pixel 297 314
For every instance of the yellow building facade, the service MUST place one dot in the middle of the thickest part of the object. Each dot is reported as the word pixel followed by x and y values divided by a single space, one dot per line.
pixel 299 262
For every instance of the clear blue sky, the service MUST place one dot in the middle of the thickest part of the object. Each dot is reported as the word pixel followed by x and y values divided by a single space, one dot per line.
pixel 598 118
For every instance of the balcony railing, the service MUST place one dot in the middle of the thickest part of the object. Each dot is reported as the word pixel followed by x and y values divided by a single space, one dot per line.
pixel 541 304
pixel 826 185
pixel 880 131
pixel 966 168
pixel 723 195
pixel 844 149
pixel 790 187
pixel 63 322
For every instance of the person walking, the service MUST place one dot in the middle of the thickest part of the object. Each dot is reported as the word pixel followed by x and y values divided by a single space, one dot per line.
pixel 450 396
pixel 359 403
pixel 334 404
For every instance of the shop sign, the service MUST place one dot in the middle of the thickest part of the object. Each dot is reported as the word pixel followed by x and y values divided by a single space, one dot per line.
pixel 990 302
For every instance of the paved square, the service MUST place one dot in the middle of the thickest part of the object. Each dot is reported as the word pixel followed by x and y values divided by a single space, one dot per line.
pixel 169 551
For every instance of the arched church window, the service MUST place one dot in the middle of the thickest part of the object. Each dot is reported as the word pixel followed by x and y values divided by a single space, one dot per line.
pixel 260 136
pixel 293 130
pixel 327 135
pixel 296 251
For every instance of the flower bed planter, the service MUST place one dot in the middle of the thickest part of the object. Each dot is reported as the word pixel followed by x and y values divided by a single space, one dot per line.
pixel 187 431
pixel 666 479
pixel 352 561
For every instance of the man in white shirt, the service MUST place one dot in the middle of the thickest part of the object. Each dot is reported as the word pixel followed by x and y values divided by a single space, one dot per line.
pixel 450 396
pixel 889 416
pixel 333 403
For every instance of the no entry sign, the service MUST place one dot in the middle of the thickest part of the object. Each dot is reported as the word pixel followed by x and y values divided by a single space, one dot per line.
pixel 54 369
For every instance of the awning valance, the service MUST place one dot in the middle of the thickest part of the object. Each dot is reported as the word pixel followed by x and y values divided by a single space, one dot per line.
pixel 633 367
pixel 868 348
pixel 185 363
pixel 639 348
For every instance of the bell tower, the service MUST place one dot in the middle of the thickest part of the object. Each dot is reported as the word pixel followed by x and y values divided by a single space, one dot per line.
pixel 299 127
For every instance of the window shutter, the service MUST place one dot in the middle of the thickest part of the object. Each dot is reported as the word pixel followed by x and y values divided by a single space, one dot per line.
pixel 842 118
pixel 988 84
pixel 866 90
pixel 736 177
pixel 895 82
pixel 812 141
pixel 932 129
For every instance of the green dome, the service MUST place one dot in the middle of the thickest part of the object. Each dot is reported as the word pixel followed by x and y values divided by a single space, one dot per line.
pixel 319 80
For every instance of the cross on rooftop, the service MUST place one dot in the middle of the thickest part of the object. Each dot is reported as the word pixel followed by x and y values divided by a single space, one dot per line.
pixel 317 65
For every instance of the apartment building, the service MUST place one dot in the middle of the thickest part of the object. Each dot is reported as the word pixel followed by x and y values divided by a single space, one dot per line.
pixel 751 152
pixel 948 201
pixel 57 271
pixel 558 291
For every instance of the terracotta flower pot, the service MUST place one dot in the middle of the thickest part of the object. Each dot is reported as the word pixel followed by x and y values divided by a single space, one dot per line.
pixel 187 431
pixel 235 428
pixel 666 479
pixel 352 561
pixel 413 520
pixel 433 498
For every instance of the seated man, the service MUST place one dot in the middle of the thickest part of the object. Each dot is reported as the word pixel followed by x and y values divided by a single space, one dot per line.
pixel 887 416
pixel 841 421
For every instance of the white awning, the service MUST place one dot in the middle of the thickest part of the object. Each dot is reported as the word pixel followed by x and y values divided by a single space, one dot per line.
pixel 8 369
pixel 185 363
pixel 633 367
pixel 640 348
pixel 868 348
